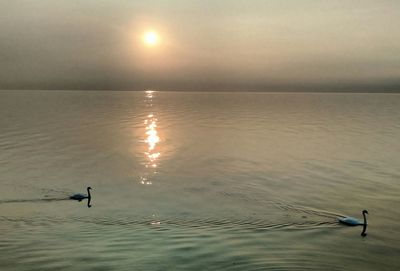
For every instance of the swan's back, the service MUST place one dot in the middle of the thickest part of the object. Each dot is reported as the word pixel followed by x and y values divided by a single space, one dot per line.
pixel 351 221
pixel 78 196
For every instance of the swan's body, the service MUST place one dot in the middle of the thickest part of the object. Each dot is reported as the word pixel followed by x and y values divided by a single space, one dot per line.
pixel 80 196
pixel 351 221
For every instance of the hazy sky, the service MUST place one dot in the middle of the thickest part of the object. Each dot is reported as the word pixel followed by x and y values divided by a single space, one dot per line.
pixel 204 45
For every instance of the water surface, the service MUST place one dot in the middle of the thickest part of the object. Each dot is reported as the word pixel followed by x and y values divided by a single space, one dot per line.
pixel 198 181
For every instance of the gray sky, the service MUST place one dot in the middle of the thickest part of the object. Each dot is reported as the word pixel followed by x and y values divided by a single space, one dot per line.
pixel 204 45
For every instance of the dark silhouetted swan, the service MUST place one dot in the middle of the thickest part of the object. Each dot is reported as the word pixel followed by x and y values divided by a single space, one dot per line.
pixel 80 197
pixel 351 221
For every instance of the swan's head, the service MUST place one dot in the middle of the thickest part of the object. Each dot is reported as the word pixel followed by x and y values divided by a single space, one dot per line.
pixel 89 188
pixel 365 212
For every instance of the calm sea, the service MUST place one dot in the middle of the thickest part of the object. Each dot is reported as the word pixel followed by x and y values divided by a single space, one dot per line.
pixel 198 181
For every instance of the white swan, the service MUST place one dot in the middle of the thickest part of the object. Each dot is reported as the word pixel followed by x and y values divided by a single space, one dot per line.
pixel 351 221
pixel 80 196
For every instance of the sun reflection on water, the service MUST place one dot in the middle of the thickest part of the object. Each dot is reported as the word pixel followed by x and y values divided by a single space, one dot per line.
pixel 151 139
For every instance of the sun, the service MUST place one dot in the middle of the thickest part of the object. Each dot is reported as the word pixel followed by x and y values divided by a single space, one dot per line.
pixel 151 38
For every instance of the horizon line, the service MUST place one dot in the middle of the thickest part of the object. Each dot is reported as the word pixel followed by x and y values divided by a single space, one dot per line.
pixel 390 91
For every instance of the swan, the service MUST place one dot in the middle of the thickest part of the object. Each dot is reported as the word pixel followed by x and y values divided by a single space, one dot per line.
pixel 80 197
pixel 351 221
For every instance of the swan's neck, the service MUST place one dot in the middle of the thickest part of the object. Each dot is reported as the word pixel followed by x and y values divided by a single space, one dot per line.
pixel 89 196
pixel 364 225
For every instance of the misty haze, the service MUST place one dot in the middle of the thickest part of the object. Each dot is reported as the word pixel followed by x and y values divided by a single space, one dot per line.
pixel 204 45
